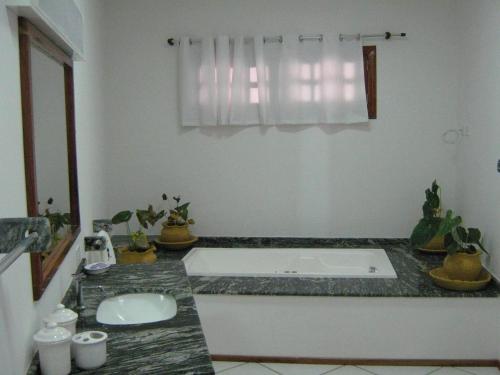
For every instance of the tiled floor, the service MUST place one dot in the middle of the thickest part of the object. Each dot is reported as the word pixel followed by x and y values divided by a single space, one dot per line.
pixel 242 368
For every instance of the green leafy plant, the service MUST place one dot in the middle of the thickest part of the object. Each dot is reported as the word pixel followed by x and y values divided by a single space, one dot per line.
pixel 180 214
pixel 432 225
pixel 138 240
pixel 57 221
pixel 463 240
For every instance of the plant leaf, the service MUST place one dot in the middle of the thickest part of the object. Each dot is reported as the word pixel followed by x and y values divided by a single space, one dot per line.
pixel 67 218
pixel 424 232
pixel 183 210
pixel 448 223
pixel 435 187
pixel 121 217
pixel 142 217
pixel 461 235
pixel 474 235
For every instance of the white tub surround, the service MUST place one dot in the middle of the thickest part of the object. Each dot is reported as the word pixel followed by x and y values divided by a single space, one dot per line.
pixel 337 319
pixel 293 262
pixel 438 330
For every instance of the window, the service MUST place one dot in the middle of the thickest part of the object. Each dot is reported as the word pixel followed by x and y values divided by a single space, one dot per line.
pixel 246 81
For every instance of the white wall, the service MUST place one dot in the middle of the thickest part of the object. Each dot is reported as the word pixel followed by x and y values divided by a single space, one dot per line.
pixel 283 181
pixel 479 181
pixel 19 316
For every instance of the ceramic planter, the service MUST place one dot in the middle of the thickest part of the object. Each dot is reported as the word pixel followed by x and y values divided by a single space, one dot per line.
pixel 463 266
pixel 126 256
pixel 175 233
pixel 437 243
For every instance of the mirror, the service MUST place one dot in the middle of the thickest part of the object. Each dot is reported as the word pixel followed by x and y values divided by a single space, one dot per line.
pixel 49 137
pixel 49 147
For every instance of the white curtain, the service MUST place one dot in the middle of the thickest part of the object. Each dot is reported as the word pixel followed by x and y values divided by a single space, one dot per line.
pixel 248 81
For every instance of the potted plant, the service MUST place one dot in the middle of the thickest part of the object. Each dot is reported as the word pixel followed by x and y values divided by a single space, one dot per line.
pixel 176 228
pixel 139 249
pixel 464 246
pixel 430 231
pixel 57 221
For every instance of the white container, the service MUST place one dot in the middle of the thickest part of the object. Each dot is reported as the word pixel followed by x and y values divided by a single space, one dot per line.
pixel 90 349
pixel 53 344
pixel 65 318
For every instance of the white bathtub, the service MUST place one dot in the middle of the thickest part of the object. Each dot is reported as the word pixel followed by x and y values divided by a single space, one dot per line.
pixel 291 262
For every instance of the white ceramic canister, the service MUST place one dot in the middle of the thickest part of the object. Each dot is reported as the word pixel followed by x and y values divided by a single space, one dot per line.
pixel 65 318
pixel 90 349
pixel 53 344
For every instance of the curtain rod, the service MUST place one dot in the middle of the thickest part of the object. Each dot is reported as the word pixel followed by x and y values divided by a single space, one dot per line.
pixel 16 252
pixel 279 38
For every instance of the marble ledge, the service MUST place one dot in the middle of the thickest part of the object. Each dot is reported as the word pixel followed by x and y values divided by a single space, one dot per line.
pixel 176 346
pixel 411 266
pixel 12 230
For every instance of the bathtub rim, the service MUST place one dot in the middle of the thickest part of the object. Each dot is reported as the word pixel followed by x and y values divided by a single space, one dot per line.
pixel 389 269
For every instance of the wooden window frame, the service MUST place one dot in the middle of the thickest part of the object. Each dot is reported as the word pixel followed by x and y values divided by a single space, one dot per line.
pixel 370 67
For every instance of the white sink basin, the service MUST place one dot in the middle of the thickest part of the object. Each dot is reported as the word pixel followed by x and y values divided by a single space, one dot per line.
pixel 137 308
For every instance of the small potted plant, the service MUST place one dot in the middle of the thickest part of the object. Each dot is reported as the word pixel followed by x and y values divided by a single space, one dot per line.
pixel 57 220
pixel 139 249
pixel 431 229
pixel 464 247
pixel 176 228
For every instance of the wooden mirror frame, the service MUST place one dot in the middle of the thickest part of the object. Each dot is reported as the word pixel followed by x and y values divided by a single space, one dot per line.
pixel 29 35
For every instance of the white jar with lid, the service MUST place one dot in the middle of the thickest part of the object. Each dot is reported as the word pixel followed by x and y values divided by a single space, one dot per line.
pixel 65 318
pixel 53 344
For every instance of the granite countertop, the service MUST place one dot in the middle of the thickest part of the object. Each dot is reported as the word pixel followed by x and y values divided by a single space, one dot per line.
pixel 176 346
pixel 411 266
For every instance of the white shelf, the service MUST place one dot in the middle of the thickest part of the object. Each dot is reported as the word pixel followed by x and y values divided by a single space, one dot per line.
pixel 60 20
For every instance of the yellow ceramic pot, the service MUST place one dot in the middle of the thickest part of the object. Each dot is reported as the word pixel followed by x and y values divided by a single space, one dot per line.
pixel 437 243
pixel 126 256
pixel 463 266
pixel 175 233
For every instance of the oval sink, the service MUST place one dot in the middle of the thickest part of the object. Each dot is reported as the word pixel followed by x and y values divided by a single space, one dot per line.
pixel 137 308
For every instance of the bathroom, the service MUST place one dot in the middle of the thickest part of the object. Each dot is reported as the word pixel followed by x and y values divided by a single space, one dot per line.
pixel 268 186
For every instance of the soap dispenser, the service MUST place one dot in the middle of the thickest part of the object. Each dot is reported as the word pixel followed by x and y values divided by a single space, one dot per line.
pixel 53 344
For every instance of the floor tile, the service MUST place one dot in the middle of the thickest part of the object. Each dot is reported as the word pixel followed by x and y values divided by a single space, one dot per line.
pixel 481 370
pixel 349 370
pixel 249 369
pixel 400 370
pixel 300 369
pixel 223 365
